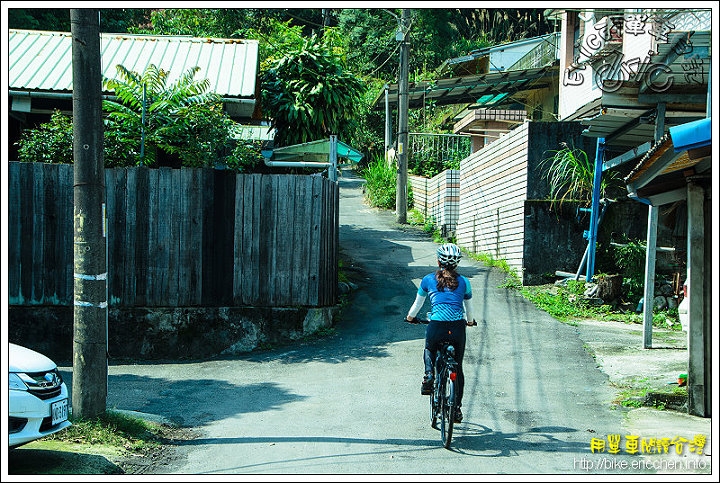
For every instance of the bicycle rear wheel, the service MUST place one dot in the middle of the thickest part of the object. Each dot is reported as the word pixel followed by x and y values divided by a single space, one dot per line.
pixel 447 409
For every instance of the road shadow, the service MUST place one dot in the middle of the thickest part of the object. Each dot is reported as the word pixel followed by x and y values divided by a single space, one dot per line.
pixel 163 397
pixel 470 439
pixel 29 461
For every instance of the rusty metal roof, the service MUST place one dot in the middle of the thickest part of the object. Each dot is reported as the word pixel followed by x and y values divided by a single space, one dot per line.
pixel 669 161
pixel 42 60
pixel 536 68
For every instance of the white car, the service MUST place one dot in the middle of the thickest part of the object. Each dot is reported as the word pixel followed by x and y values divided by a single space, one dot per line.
pixel 38 398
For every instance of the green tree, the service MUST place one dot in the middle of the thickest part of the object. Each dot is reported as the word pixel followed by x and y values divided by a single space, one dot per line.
pixel 369 34
pixel 52 142
pixel 181 118
pixel 309 94
pixel 117 20
pixel 198 22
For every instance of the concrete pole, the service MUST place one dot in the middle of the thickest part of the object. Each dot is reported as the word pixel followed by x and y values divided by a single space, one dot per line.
pixel 649 292
pixel 402 157
pixel 89 382
pixel 699 340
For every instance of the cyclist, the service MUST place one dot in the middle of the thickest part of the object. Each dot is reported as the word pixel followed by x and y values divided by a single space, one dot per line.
pixel 451 312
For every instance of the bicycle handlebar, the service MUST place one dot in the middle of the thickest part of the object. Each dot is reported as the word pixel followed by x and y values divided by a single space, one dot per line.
pixel 423 321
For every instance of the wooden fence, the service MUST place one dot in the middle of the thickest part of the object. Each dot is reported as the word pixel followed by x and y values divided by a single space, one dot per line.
pixel 179 237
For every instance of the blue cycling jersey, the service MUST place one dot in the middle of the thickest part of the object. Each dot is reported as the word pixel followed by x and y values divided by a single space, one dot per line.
pixel 446 304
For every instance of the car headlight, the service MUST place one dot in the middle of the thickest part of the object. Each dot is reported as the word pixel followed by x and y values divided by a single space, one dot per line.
pixel 16 383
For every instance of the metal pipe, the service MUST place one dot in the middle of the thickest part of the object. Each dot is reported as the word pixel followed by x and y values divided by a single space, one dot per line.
pixel 295 164
pixel 592 238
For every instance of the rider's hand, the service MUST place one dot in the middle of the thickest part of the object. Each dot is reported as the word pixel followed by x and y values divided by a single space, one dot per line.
pixel 411 320
pixel 471 324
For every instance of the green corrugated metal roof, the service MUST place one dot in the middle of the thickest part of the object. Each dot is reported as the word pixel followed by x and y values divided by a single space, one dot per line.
pixel 42 60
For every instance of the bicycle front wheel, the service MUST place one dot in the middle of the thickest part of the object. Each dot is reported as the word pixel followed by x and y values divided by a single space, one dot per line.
pixel 434 409
pixel 435 401
pixel 447 417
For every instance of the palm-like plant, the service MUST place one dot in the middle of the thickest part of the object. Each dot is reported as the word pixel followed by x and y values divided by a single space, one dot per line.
pixel 571 175
pixel 179 118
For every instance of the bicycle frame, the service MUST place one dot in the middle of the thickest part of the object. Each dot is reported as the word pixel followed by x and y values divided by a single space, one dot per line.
pixel 443 400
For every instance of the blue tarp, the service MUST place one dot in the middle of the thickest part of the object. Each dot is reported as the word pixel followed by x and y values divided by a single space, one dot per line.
pixel 690 135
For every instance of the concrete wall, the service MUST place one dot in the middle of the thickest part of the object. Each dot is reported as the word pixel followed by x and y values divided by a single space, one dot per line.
pixel 169 333
pixel 438 199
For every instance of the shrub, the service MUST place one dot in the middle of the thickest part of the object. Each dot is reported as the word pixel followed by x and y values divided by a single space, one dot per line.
pixel 380 183
pixel 49 143
pixel 630 258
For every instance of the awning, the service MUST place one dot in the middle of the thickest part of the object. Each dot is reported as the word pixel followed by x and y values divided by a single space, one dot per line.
pixel 691 135
pixel 314 151
pixel 660 175
pixel 484 90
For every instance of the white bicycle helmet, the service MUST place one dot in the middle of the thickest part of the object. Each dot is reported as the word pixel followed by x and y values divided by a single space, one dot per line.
pixel 448 254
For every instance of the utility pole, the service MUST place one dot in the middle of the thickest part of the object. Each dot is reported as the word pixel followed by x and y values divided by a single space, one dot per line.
pixel 89 382
pixel 402 179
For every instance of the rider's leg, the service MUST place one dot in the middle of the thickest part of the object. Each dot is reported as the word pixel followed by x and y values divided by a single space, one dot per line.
pixel 427 382
pixel 428 358
pixel 459 343
pixel 431 340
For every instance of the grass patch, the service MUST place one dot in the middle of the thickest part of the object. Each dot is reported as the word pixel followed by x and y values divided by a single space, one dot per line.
pixel 567 302
pixel 563 304
pixel 512 280
pixel 639 392
pixel 113 428
pixel 633 393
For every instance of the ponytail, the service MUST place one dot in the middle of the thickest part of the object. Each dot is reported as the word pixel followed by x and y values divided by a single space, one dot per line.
pixel 446 278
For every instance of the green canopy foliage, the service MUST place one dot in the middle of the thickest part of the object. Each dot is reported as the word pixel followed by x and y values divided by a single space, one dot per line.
pixel 310 95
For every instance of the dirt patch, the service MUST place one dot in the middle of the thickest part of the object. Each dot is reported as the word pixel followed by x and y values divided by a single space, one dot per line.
pixel 618 350
pixel 153 460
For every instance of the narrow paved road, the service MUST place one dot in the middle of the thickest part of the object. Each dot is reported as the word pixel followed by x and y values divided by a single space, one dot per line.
pixel 351 403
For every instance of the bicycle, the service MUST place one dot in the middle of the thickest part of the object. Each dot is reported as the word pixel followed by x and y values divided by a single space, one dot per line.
pixel 443 404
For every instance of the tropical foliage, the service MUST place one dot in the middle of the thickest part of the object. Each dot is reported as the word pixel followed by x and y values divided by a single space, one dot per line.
pixel 152 123
pixel 353 51
pixel 152 116
pixel 310 95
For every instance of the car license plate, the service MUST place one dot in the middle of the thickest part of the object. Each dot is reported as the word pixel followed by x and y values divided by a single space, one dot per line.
pixel 59 411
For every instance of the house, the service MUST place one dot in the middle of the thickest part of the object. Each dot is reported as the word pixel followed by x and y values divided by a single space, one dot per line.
pixel 40 71
pixel 497 84
pixel 640 82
